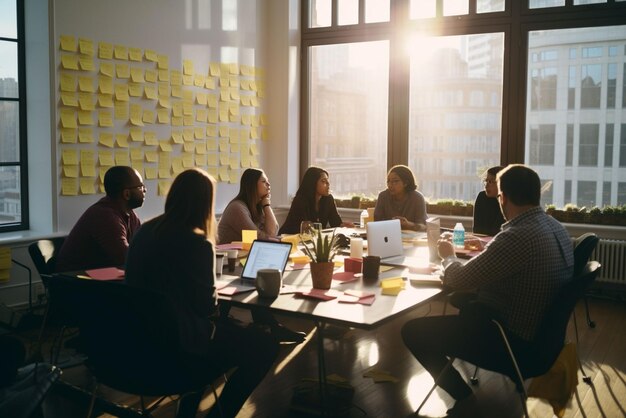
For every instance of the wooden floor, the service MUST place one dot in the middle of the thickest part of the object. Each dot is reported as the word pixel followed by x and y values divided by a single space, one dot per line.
pixel 350 353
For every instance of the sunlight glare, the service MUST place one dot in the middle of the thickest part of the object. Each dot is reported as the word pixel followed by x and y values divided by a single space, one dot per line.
pixel 416 390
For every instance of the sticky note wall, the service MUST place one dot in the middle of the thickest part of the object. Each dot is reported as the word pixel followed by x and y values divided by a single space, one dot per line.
pixel 125 105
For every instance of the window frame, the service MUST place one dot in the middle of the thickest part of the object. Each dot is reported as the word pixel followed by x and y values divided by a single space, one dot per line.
pixel 517 21
pixel 22 162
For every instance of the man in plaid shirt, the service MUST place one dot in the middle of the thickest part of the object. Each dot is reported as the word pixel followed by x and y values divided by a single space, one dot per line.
pixel 515 278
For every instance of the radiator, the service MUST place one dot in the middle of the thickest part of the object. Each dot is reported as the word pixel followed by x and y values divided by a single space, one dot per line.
pixel 612 256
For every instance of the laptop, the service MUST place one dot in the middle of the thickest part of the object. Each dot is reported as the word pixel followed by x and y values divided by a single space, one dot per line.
pixel 262 255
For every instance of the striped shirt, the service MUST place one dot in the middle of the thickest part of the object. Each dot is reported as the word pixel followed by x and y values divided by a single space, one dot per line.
pixel 520 271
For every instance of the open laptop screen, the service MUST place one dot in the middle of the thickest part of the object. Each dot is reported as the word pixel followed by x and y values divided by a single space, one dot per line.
pixel 266 255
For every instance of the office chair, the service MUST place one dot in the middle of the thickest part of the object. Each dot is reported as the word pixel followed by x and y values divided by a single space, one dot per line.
pixel 583 247
pixel 549 341
pixel 130 337
pixel 44 253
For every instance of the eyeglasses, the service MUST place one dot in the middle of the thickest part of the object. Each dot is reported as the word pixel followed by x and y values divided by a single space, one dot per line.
pixel 489 181
pixel 139 186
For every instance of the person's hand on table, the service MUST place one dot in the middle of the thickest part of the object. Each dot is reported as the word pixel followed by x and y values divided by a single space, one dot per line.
pixel 445 248
pixel 473 244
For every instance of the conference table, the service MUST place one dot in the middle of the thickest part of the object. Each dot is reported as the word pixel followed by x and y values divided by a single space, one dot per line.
pixel 324 312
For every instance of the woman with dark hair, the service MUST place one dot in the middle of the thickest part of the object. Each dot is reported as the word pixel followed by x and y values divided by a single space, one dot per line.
pixel 401 200
pixel 173 254
pixel 251 210
pixel 487 214
pixel 313 202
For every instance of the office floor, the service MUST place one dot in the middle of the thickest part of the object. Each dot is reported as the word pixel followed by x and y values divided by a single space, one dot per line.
pixel 350 354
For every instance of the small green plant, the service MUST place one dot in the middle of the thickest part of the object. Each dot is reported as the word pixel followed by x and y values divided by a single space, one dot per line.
pixel 322 247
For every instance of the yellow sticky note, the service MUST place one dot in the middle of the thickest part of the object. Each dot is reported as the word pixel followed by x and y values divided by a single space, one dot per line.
pixel 148 116
pixel 136 134
pixel 187 80
pixel 165 145
pixel 106 139
pixel 107 68
pixel 199 132
pixel 224 174
pixel 201 98
pixel 105 85
pixel 135 54
pixel 121 92
pixel 69 187
pixel 200 148
pixel 121 140
pixel 121 157
pixel 211 100
pixel 151 173
pixel 85 135
pixel 152 156
pixel 177 91
pixel 136 154
pixel 248 235
pixel 151 75
pixel 136 74
pixel 189 147
pixel 84 117
pixel 105 100
pixel 69 99
pixel 135 89
pixel 120 52
pixel 164 173
pixel 136 113
pixel 86 47
pixel 105 158
pixel 105 50
pixel 151 55
pixel 188 135
pixel 121 110
pixel 177 137
pixel 85 100
pixel 212 116
pixel 200 160
pixel 188 160
pixel 211 160
pixel 198 80
pixel 163 187
pixel 68 82
pixel 105 118
pixel 163 116
pixel 68 135
pixel 188 67
pixel 69 156
pixel 177 121
pixel 163 62
pixel 214 68
pixel 68 43
pixel 164 75
pixel 68 118
pixel 86 63
pixel 122 70
pixel 70 171
pixel 150 92
pixel 149 138
pixel 87 185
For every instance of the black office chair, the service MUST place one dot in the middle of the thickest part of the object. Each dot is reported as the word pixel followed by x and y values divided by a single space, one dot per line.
pixel 44 253
pixel 583 247
pixel 130 336
pixel 550 338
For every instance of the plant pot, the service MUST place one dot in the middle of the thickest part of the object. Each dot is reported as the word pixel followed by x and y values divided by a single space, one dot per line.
pixel 322 274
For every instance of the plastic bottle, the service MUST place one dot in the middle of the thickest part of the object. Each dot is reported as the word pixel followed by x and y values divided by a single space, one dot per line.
pixel 364 217
pixel 458 235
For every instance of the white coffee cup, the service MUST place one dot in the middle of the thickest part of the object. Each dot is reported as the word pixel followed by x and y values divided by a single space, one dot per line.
pixel 219 263
pixel 268 282
pixel 356 247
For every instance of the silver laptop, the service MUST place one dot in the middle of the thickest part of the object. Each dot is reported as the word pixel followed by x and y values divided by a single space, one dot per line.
pixel 384 239
pixel 266 255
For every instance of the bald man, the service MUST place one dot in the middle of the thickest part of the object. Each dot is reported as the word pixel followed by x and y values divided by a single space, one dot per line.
pixel 101 236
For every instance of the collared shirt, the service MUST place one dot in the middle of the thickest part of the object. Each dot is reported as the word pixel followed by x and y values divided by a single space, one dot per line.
pixel 520 271
pixel 100 238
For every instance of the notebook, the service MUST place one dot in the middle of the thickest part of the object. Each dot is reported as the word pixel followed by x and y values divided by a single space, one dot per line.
pixel 262 255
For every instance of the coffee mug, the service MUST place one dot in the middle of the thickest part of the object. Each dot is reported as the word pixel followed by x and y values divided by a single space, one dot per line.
pixel 219 263
pixel 268 282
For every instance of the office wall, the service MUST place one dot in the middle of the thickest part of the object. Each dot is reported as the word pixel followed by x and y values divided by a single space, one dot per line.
pixel 196 37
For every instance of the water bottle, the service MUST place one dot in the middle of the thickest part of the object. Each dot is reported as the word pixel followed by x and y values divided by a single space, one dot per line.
pixel 458 235
pixel 364 216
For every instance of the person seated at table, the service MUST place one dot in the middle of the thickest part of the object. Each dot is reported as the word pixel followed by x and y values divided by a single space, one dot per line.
pixel 487 214
pixel 516 276
pixel 101 236
pixel 251 210
pixel 401 200
pixel 313 202
pixel 173 254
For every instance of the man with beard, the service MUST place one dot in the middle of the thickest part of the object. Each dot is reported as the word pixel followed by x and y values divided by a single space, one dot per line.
pixel 101 236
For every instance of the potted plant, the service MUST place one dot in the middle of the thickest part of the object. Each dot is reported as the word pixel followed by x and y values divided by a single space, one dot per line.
pixel 321 249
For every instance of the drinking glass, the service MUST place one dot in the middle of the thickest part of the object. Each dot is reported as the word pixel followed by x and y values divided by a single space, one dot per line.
pixel 306 230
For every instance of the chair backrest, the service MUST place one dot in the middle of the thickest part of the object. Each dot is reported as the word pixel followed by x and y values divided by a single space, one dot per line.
pixel 44 252
pixel 130 336
pixel 583 247
pixel 551 335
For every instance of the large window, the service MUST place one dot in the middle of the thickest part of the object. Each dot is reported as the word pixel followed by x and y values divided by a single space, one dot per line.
pixel 461 95
pixel 13 206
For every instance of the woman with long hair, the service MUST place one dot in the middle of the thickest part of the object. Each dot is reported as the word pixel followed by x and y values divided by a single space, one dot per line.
pixel 251 209
pixel 313 202
pixel 173 254
pixel 401 200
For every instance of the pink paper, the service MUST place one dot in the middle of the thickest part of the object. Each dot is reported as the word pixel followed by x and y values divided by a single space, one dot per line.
pixel 106 273
pixel 344 276
pixel 231 246
pixel 321 294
